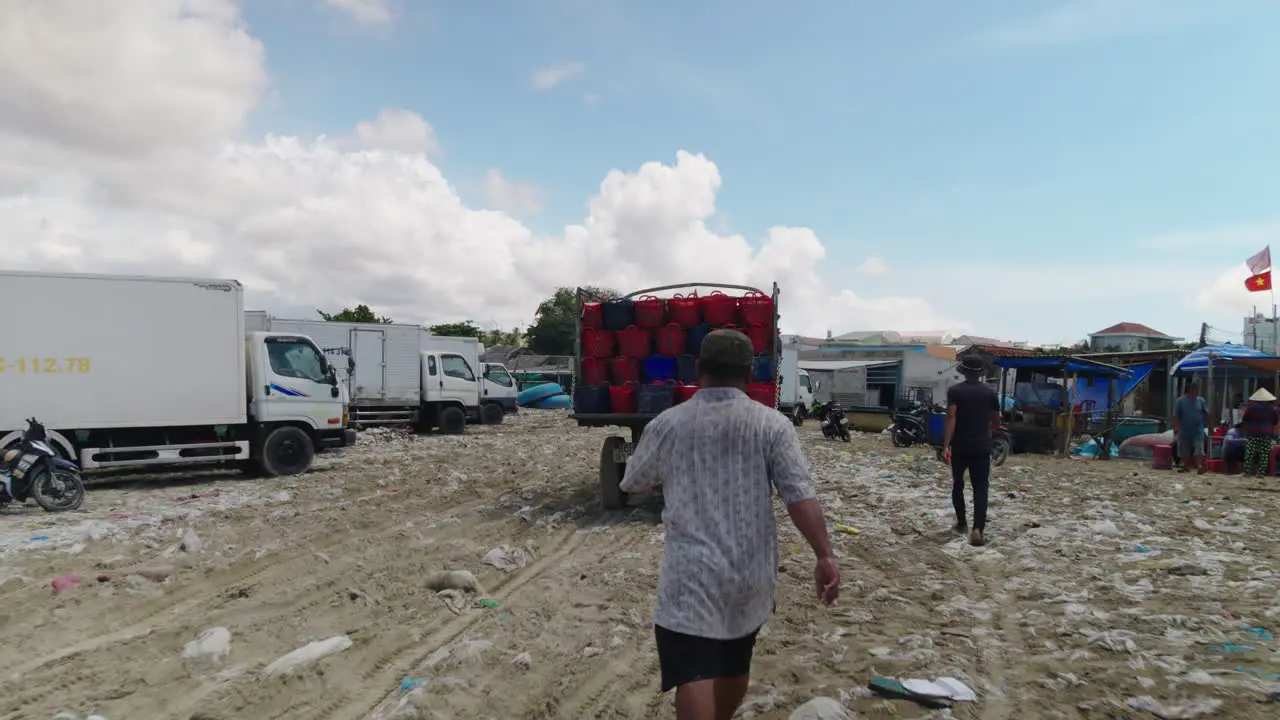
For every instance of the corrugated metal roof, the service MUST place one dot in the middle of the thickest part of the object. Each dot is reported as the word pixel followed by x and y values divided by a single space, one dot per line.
pixel 830 365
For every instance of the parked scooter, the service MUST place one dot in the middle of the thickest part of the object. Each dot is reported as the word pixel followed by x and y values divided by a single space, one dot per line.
pixel 833 422
pixel 911 426
pixel 33 469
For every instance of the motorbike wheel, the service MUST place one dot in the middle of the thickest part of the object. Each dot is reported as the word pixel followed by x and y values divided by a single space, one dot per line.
pixel 999 450
pixel 62 491
pixel 901 438
pixel 844 435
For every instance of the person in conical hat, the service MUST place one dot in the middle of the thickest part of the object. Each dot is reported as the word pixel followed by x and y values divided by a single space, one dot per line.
pixel 1260 420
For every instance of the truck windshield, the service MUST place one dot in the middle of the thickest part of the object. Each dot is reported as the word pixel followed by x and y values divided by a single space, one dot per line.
pixel 295 358
pixel 499 375
pixel 804 383
pixel 455 366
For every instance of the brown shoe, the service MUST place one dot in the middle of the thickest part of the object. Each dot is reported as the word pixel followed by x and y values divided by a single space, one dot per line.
pixel 976 539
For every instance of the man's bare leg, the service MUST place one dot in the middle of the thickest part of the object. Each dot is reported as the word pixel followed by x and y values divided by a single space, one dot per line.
pixel 696 700
pixel 729 693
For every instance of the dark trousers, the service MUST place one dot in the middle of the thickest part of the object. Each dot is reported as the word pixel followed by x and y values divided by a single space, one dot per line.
pixel 978 464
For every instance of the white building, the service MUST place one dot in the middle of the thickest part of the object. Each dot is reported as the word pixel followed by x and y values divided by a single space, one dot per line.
pixel 1260 333
pixel 1129 337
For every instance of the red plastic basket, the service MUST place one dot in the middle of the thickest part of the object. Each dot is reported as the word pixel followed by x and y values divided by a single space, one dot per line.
pixel 622 398
pixel 763 393
pixel 592 315
pixel 756 307
pixel 685 392
pixel 595 371
pixel 759 335
pixel 651 312
pixel 624 370
pixel 684 310
pixel 635 342
pixel 670 340
pixel 597 344
pixel 718 309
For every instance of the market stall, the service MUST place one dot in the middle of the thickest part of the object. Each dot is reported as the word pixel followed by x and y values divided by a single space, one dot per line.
pixel 1229 373
pixel 1046 413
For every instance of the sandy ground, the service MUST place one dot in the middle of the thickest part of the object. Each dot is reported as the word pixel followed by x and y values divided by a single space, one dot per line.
pixel 1108 591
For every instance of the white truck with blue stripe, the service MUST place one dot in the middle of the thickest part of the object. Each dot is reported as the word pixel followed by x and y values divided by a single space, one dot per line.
pixel 139 372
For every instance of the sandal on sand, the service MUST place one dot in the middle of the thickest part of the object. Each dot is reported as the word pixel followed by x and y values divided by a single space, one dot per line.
pixel 960 528
pixel 977 539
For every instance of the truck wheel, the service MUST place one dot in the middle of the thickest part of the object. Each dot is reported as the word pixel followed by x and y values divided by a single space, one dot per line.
pixel 491 414
pixel 452 420
pixel 611 495
pixel 287 451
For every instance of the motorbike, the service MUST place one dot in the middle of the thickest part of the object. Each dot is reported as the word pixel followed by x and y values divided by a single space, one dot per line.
pixel 34 470
pixel 911 426
pixel 833 422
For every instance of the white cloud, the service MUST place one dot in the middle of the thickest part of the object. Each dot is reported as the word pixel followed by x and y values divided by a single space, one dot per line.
pixel 396 130
pixel 873 267
pixel 549 77
pixel 1091 20
pixel 119 152
pixel 513 196
pixel 365 12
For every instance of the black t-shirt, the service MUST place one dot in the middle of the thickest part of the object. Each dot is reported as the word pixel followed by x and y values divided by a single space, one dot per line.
pixel 974 403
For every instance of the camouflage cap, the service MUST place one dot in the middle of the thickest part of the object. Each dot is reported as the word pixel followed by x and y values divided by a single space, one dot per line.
pixel 729 348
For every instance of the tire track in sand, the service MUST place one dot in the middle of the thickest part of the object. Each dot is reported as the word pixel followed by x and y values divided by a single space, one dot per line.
pixel 378 683
pixel 156 613
pixel 986 578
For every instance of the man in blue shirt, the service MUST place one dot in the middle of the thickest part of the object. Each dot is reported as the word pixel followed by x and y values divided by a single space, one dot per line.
pixel 1190 417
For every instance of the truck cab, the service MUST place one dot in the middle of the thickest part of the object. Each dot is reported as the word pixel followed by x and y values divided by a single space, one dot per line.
pixel 292 383
pixel 500 392
pixel 450 391
pixel 804 391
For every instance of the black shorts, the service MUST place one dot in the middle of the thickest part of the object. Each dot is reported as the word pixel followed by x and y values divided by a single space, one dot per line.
pixel 688 658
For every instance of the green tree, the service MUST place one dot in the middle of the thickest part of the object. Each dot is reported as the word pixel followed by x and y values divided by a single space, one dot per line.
pixel 499 338
pixel 361 314
pixel 466 329
pixel 554 322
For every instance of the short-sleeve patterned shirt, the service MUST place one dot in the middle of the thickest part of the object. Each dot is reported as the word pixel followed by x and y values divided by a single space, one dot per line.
pixel 718 458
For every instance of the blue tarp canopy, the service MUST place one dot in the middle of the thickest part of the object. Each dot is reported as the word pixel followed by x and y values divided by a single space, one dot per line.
pixel 1124 386
pixel 1222 355
pixel 1063 365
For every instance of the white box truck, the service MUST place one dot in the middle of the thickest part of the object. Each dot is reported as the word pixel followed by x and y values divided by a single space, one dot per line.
pixel 497 388
pixel 390 376
pixel 129 371
pixel 795 394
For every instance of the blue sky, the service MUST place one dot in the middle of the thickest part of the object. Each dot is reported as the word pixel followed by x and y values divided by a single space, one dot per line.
pixel 1002 157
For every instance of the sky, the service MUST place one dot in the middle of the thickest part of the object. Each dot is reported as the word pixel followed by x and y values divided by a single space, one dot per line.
pixel 1031 170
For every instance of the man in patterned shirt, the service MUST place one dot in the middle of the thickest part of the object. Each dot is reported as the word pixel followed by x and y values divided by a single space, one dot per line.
pixel 718 458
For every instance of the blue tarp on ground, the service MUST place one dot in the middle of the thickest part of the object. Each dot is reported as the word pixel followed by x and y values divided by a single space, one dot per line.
pixel 1198 360
pixel 1124 386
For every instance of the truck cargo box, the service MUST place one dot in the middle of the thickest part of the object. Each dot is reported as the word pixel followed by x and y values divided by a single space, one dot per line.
pixel 104 351
pixel 386 358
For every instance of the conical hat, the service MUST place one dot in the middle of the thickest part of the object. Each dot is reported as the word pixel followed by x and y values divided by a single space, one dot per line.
pixel 1262 395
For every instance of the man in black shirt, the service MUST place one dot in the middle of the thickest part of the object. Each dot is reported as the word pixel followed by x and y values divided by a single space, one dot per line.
pixel 972 411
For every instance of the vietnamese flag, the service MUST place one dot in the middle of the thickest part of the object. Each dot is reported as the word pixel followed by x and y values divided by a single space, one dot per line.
pixel 1259 283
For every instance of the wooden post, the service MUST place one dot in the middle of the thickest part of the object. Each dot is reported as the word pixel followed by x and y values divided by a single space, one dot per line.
pixel 1106 443
pixel 1069 393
